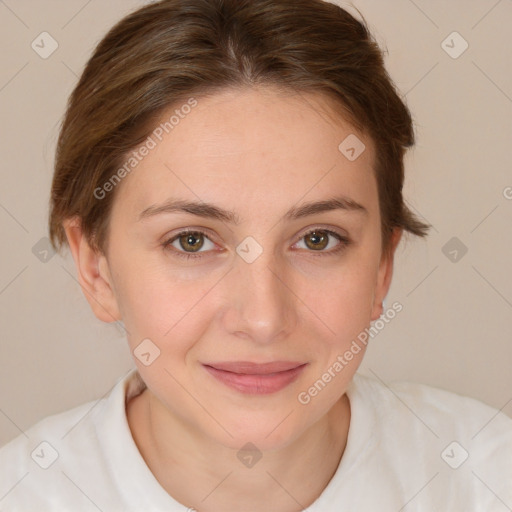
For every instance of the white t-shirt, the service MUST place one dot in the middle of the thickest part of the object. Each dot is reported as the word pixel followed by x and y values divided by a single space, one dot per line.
pixel 410 447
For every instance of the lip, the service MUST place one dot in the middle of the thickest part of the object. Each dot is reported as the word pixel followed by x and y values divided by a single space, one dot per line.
pixel 256 378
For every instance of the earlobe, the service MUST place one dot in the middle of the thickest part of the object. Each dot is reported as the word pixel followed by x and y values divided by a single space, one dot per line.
pixel 385 275
pixel 92 273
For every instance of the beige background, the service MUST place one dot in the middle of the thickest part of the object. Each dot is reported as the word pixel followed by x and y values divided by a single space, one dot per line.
pixel 455 329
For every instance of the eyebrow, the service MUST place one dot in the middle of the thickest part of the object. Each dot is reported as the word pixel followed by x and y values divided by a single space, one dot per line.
pixel 207 210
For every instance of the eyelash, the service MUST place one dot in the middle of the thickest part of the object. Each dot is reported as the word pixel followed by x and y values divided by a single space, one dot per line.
pixel 344 243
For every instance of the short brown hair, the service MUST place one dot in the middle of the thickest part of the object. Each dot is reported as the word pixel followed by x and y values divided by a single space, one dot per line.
pixel 170 50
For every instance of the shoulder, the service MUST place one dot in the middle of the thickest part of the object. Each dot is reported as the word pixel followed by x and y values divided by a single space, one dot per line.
pixel 440 411
pixel 53 463
pixel 33 465
pixel 51 429
pixel 412 436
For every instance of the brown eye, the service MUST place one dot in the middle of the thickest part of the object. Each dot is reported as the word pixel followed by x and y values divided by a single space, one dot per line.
pixel 325 242
pixel 317 240
pixel 191 242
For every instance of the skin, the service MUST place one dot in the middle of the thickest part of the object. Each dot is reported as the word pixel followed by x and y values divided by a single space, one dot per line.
pixel 256 152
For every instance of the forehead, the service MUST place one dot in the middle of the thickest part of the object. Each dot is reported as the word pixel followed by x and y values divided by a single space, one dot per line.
pixel 256 147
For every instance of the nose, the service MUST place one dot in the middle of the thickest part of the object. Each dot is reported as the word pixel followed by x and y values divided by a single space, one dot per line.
pixel 261 305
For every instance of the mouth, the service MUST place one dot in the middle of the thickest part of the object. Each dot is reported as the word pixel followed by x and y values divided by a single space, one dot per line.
pixel 256 378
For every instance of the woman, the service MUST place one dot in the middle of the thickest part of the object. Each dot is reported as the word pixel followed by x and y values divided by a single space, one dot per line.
pixel 229 181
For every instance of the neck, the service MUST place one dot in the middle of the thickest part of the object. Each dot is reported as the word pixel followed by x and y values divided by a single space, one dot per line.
pixel 201 473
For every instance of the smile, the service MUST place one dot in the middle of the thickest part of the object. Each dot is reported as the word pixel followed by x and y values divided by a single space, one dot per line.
pixel 256 379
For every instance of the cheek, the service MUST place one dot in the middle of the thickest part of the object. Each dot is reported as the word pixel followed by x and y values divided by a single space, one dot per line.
pixel 342 297
pixel 167 311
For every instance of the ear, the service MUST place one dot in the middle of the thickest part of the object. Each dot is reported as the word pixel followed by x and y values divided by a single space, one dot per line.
pixel 384 275
pixel 93 273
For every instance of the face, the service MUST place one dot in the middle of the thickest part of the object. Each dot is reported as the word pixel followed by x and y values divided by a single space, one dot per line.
pixel 218 256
